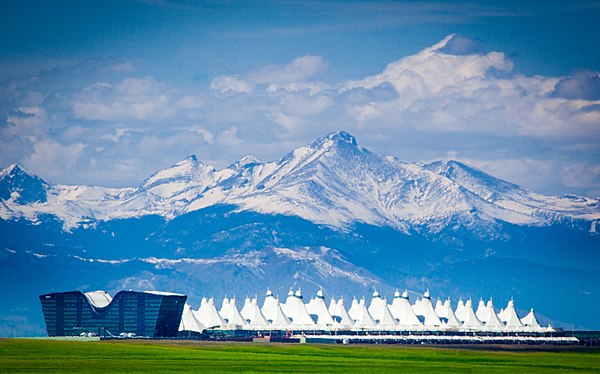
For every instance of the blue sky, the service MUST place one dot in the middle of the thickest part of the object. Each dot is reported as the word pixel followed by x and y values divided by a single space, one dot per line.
pixel 107 92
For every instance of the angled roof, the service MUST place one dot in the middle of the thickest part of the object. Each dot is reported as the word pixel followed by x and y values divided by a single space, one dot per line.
pixel 189 322
pixel 317 307
pixel 530 319
pixel 402 310
pixel 471 319
pixel 98 299
pixel 341 315
pixel 510 316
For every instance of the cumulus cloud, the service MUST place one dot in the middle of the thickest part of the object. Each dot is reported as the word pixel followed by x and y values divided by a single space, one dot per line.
pixel 131 98
pixel 452 99
pixel 229 84
pixel 460 46
pixel 48 154
pixel 581 85
pixel 431 72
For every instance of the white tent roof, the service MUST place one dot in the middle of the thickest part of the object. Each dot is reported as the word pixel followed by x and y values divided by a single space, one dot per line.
pixel 295 310
pixel 280 319
pixel 213 319
pixel 386 318
pixel 377 307
pixel 380 312
pixel 270 306
pixel 425 308
pixel 417 307
pixel 460 311
pixel 231 314
pixel 530 319
pixel 471 319
pixel 189 322
pixel 510 316
pixel 332 306
pixel 247 310
pixel 224 305
pixel 364 318
pixel 256 316
pixel 341 314
pixel 491 319
pixel 402 310
pixel 289 302
pixel 202 311
pixel 482 311
pixel 439 308
pixel 317 307
pixel 353 311
pixel 447 312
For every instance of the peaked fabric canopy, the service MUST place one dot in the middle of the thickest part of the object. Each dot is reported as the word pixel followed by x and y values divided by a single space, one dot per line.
pixel 212 319
pixel 256 316
pixel 448 314
pixel 530 319
pixel 482 311
pixel 471 319
pixel 425 308
pixel 318 308
pixel 270 306
pixel 364 319
pixel 294 314
pixel 402 310
pixel 460 311
pixel 247 310
pixel 295 310
pixel 340 314
pixel 510 317
pixel 189 322
pixel 231 314
pixel 491 319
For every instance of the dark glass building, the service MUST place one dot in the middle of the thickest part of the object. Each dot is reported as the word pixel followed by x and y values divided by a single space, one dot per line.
pixel 150 313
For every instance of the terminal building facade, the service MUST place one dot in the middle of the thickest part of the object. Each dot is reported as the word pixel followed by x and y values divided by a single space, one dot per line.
pixel 149 314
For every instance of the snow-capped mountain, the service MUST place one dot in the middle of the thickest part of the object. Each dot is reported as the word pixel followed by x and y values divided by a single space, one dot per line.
pixel 331 181
pixel 329 215
pixel 21 187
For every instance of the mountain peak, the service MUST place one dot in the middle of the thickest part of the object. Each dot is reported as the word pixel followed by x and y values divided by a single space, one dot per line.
pixel 11 170
pixel 249 160
pixel 342 136
pixel 14 171
pixel 23 187
pixel 187 169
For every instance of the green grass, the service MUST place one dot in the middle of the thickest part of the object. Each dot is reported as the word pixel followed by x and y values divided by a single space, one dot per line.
pixel 31 355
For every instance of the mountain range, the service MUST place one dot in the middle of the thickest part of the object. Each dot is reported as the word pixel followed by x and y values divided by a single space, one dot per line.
pixel 330 214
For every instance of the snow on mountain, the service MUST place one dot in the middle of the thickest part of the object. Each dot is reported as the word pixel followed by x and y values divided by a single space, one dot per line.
pixel 19 186
pixel 331 181
pixel 510 197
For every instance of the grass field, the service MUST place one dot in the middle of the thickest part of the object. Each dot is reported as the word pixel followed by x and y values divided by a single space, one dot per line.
pixel 31 355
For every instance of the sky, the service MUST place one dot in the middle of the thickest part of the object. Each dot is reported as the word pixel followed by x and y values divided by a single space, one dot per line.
pixel 107 92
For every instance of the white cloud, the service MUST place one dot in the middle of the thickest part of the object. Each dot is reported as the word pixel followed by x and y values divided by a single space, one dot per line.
pixel 542 132
pixel 581 175
pixel 229 85
pixel 131 98
pixel 207 135
pixel 27 123
pixel 429 72
pixel 229 137
pixel 51 156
